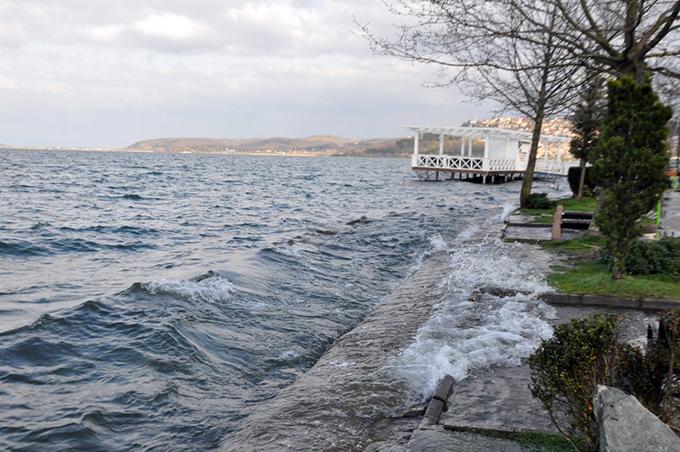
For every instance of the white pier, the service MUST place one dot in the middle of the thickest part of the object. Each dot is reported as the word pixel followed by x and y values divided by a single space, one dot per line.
pixel 488 152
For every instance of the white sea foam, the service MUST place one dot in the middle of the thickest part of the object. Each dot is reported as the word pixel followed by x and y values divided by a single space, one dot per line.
pixel 437 244
pixel 213 289
pixel 289 250
pixel 464 335
pixel 507 210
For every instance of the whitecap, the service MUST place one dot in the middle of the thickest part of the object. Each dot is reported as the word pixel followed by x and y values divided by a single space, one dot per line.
pixel 437 244
pixel 213 289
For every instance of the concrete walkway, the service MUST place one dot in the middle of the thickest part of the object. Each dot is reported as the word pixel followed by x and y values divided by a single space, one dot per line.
pixel 499 400
pixel 670 226
pixel 348 400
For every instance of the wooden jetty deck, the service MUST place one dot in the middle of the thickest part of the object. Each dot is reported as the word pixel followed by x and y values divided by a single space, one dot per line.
pixel 482 153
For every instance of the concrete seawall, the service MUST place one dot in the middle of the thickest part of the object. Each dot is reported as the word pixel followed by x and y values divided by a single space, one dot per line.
pixel 349 396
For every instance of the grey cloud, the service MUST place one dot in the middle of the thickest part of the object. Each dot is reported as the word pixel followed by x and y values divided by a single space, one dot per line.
pixel 105 72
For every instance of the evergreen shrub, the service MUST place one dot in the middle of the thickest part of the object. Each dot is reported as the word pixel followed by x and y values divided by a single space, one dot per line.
pixel 539 201
pixel 629 164
pixel 566 369
pixel 652 257
pixel 584 353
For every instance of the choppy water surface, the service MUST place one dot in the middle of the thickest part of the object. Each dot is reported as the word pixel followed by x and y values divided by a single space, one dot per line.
pixel 154 300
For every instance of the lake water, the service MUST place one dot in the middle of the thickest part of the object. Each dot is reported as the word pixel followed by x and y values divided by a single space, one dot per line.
pixel 156 300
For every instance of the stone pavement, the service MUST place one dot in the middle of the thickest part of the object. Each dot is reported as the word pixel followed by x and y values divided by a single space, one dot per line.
pixel 437 438
pixel 499 400
pixel 670 225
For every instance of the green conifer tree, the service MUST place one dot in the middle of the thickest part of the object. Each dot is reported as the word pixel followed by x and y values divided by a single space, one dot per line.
pixel 628 163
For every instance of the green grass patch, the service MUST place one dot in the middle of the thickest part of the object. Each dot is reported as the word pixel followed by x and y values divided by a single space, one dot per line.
pixel 574 205
pixel 545 216
pixel 585 274
pixel 593 277
pixel 587 243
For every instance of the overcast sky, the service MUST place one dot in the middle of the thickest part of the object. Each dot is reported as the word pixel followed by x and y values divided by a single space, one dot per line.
pixel 111 72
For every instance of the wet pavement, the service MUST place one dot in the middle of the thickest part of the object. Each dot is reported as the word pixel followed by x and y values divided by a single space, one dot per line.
pixel 670 225
pixel 499 400
pixel 439 439
pixel 347 401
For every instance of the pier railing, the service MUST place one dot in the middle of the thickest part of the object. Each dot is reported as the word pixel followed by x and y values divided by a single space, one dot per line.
pixel 442 162
pixel 461 163
pixel 501 165
pixel 557 167
pixel 447 162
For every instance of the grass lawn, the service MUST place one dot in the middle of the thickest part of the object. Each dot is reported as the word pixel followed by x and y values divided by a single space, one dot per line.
pixel 570 204
pixel 586 274
pixel 593 277
pixel 588 243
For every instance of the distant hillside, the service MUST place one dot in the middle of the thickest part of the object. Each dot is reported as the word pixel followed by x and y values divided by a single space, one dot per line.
pixel 313 145
pixel 328 145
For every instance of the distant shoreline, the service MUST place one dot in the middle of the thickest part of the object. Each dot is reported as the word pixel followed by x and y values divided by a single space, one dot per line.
pixel 197 152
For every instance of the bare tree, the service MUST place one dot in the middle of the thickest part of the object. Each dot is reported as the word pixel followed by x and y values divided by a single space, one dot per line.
pixel 623 37
pixel 483 47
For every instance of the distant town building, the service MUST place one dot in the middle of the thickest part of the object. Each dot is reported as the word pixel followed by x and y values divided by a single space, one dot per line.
pixel 561 127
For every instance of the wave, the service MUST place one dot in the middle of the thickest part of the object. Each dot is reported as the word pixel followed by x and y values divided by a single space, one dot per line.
pixel 21 248
pixel 76 245
pixel 210 287
pixel 471 329
pixel 437 244
pixel 287 250
pixel 132 197
pixel 128 230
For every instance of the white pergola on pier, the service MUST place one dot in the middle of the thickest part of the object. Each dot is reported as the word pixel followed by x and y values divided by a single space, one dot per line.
pixel 487 152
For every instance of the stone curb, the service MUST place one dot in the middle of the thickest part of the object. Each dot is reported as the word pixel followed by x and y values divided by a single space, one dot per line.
pixel 647 304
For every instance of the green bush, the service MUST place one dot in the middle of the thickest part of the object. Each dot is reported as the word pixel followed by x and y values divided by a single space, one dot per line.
pixel 584 353
pixel 574 177
pixel 643 375
pixel 652 376
pixel 566 369
pixel 652 257
pixel 539 201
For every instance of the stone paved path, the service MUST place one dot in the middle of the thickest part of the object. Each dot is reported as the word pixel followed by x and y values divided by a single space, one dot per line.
pixel 499 399
pixel 671 218
pixel 436 438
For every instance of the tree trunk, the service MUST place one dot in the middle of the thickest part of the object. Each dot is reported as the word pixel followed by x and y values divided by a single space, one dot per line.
pixel 635 69
pixel 618 267
pixel 528 181
pixel 582 179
